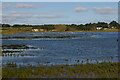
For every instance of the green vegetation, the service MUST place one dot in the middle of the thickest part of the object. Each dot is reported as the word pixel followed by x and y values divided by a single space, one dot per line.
pixel 114 24
pixel 16 49
pixel 11 65
pixel 20 47
pixel 14 30
pixel 15 55
pixel 7 51
pixel 37 37
pixel 66 59
pixel 101 70
pixel 89 27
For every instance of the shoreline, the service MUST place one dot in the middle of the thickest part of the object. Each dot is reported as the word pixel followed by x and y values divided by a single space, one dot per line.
pixel 8 32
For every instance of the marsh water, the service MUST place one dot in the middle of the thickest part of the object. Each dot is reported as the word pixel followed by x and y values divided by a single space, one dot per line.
pixel 62 48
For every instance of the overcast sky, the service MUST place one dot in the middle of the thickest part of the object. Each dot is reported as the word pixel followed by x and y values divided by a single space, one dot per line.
pixel 58 12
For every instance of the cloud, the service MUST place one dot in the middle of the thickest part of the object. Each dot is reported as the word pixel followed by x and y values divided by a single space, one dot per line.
pixel 20 17
pixel 19 6
pixel 1 15
pixel 28 6
pixel 105 10
pixel 47 16
pixel 80 9
pixel 6 6
pixel 14 17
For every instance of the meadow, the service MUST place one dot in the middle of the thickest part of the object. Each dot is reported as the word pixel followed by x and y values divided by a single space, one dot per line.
pixel 15 30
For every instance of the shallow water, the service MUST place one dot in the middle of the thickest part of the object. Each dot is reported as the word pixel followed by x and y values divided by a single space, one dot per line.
pixel 91 46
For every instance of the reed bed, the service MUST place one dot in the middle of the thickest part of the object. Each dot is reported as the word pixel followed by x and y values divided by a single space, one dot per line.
pixel 101 70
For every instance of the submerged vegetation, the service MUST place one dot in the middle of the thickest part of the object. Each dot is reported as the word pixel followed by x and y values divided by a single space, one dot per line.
pixel 16 55
pixel 101 70
pixel 20 47
pixel 81 69
pixel 7 51
pixel 11 50
pixel 41 37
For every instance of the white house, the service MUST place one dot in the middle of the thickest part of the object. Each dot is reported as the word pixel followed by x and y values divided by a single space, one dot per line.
pixel 99 28
pixel 38 30
pixel 105 28
pixel 53 30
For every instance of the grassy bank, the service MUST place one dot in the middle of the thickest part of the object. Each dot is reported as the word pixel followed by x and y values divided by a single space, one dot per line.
pixel 8 30
pixel 101 70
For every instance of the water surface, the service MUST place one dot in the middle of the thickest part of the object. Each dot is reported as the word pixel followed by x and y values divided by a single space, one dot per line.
pixel 80 46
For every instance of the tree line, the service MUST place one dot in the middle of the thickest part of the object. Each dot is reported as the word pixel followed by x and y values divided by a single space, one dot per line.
pixel 69 27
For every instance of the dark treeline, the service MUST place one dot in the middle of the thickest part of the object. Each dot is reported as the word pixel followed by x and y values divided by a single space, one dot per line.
pixel 66 27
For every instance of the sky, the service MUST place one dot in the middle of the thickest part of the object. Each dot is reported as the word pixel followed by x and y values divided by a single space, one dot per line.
pixel 58 12
pixel 60 0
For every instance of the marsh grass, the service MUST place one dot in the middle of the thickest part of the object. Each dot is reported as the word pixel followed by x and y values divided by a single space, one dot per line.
pixel 7 51
pixel 16 49
pixel 15 55
pixel 20 47
pixel 11 65
pixel 66 59
pixel 42 37
pixel 101 70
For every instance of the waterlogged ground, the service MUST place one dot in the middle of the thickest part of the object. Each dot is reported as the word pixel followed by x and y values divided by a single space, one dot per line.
pixel 59 48
pixel 101 70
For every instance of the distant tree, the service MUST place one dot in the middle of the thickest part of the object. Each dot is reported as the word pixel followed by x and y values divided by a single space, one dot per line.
pixel 114 24
pixel 48 27
pixel 72 27
pixel 6 25
pixel 16 25
pixel 60 27
pixel 67 27
pixel 102 24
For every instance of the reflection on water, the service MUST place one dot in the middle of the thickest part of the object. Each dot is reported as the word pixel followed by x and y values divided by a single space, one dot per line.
pixel 63 48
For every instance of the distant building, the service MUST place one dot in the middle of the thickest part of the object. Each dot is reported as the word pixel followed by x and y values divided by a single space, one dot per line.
pixel 113 27
pixel 105 28
pixel 41 29
pixel 53 30
pixel 36 30
pixel 99 28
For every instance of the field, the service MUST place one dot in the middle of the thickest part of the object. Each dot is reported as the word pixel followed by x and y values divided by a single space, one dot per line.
pixel 7 30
